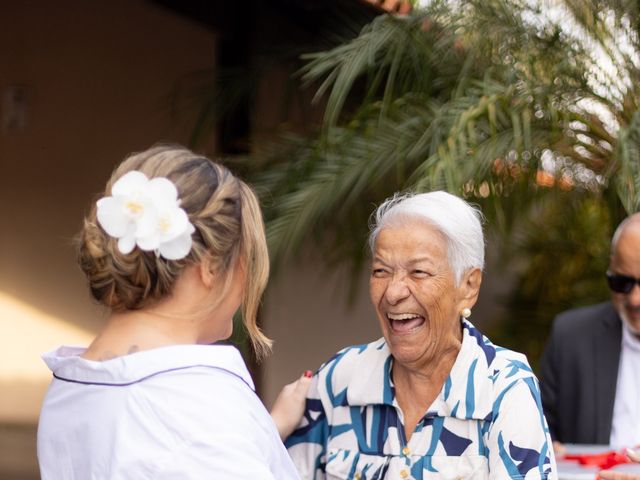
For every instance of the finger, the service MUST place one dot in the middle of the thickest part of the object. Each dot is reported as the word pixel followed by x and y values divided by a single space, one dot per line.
pixel 633 455
pixel 609 475
pixel 302 385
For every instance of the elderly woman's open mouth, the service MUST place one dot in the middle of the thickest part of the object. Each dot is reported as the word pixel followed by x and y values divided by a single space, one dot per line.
pixel 404 322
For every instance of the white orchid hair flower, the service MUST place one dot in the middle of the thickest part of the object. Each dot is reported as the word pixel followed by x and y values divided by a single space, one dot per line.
pixel 147 214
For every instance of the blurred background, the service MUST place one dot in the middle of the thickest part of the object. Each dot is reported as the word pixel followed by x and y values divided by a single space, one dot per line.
pixel 528 109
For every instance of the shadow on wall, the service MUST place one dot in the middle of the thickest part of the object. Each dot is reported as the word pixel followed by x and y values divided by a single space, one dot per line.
pixel 26 332
pixel 18 452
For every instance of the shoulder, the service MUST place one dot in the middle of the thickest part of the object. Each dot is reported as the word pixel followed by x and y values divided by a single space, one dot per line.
pixel 211 407
pixel 509 376
pixel 196 371
pixel 354 374
pixel 510 368
pixel 581 318
pixel 345 363
pixel 204 397
pixel 203 379
pixel 494 357
pixel 503 366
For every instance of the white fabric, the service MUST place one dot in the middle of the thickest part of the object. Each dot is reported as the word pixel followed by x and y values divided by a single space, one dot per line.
pixel 178 412
pixel 625 427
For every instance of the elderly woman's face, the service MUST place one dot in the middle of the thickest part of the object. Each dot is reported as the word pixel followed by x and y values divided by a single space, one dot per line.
pixel 413 290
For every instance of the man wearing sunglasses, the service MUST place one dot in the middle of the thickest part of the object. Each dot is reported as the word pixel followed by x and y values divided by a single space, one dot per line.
pixel 590 370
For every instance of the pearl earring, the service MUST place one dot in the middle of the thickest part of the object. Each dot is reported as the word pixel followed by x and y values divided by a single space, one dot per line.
pixel 466 313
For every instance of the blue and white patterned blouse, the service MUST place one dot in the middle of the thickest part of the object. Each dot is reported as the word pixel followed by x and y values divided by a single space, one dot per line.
pixel 487 421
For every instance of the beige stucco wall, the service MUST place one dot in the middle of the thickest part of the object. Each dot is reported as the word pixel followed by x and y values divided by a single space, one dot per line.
pixel 99 77
pixel 308 314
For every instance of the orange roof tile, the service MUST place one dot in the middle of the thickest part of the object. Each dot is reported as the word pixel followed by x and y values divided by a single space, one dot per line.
pixel 400 7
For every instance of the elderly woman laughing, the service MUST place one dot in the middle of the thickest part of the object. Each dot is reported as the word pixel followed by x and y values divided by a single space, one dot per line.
pixel 434 398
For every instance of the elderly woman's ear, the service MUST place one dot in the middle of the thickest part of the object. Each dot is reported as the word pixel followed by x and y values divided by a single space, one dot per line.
pixel 470 287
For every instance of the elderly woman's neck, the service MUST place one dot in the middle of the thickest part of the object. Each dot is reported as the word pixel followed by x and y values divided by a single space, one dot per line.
pixel 418 385
pixel 426 373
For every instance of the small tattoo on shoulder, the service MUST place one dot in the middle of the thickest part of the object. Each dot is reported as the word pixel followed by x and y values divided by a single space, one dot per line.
pixel 108 355
pixel 134 349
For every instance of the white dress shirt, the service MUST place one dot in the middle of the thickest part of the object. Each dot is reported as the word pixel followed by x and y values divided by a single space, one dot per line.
pixel 178 412
pixel 625 427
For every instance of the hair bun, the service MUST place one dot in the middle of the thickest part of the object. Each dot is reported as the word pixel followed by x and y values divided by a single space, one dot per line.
pixel 226 217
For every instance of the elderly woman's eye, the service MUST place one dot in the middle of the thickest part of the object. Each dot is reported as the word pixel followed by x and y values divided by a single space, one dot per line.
pixel 420 273
pixel 378 272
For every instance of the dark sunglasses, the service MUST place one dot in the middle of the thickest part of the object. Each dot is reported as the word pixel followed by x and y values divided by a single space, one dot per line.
pixel 621 283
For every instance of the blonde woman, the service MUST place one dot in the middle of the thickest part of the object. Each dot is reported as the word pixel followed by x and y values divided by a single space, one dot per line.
pixel 173 248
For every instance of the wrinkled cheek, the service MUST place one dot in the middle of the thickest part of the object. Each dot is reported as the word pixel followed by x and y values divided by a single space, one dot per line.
pixel 618 302
pixel 375 293
pixel 442 322
pixel 438 319
pixel 435 337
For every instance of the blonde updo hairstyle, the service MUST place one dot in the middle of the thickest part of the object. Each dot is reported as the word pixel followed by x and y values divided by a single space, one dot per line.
pixel 229 232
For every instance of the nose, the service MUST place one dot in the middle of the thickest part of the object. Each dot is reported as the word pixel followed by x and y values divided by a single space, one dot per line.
pixel 397 290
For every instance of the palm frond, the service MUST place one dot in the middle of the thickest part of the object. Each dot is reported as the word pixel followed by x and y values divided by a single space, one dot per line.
pixel 495 101
pixel 628 159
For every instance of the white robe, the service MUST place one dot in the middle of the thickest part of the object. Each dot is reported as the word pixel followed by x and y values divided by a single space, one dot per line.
pixel 177 412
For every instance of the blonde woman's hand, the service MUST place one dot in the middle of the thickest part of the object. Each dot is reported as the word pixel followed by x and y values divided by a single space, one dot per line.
pixel 288 408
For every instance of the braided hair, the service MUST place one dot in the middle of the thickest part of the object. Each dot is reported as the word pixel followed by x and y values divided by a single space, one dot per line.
pixel 229 229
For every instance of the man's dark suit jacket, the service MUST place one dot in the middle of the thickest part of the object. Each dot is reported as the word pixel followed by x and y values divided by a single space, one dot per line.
pixel 579 372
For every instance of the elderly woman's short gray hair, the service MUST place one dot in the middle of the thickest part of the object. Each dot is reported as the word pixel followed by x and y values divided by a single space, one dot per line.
pixel 459 222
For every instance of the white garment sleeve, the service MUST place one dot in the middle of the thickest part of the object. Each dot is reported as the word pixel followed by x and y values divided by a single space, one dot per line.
pixel 519 443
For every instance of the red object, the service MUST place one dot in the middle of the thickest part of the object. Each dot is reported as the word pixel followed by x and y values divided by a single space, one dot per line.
pixel 308 373
pixel 603 461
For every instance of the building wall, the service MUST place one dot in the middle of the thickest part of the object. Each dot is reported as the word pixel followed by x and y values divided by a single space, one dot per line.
pixel 309 314
pixel 99 78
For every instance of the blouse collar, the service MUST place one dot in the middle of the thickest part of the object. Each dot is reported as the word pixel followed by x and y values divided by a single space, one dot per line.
pixel 66 364
pixel 467 392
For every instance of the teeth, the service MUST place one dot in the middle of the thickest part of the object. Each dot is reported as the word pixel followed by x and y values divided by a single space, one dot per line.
pixel 402 316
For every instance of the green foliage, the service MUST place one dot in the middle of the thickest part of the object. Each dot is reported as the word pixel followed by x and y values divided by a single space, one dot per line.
pixel 530 112
pixel 565 242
